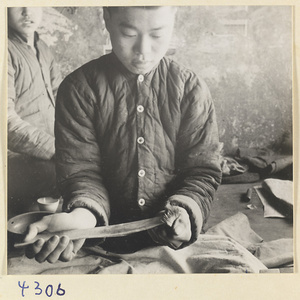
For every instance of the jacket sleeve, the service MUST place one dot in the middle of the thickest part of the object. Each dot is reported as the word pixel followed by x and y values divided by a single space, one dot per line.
pixel 55 76
pixel 197 155
pixel 78 158
pixel 22 136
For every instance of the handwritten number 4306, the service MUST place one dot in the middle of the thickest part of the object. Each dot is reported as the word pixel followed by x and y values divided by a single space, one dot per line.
pixel 39 291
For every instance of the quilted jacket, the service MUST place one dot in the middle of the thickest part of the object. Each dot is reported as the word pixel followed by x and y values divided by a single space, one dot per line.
pixel 126 144
pixel 32 85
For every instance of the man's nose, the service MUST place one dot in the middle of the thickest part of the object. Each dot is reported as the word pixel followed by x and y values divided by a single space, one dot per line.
pixel 143 46
pixel 27 11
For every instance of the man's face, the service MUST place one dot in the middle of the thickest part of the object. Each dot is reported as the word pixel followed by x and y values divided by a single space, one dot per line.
pixel 140 37
pixel 24 20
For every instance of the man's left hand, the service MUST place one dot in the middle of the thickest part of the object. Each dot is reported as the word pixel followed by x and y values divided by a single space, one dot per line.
pixel 176 230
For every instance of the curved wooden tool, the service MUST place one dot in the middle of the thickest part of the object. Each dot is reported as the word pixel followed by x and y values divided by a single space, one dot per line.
pixel 100 232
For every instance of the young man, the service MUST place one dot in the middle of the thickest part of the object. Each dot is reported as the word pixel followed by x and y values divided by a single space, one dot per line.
pixel 33 79
pixel 136 134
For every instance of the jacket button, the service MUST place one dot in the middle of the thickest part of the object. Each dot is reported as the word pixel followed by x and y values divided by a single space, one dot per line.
pixel 140 140
pixel 142 173
pixel 142 202
pixel 140 108
pixel 140 78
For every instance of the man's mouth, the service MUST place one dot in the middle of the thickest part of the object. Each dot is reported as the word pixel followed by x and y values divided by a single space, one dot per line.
pixel 27 22
pixel 141 63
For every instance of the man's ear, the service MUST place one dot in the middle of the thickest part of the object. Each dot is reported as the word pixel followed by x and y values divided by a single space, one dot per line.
pixel 106 17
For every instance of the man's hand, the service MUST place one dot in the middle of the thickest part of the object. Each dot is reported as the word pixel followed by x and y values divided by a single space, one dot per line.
pixel 58 248
pixel 176 230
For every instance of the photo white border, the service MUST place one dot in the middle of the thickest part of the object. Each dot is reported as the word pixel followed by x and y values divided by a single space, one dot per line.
pixel 179 286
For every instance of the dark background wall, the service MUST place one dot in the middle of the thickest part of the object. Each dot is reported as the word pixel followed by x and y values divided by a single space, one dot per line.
pixel 244 53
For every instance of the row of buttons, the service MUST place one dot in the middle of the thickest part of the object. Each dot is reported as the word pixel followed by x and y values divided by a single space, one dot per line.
pixel 141 140
pixel 141 201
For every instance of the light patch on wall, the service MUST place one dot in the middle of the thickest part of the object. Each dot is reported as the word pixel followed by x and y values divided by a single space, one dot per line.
pixel 249 73
pixel 212 73
pixel 53 22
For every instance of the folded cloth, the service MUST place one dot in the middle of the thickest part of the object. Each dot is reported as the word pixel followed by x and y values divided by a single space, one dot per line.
pixel 210 254
pixel 279 164
pixel 83 263
pixel 272 254
pixel 231 167
pixel 258 157
pixel 269 210
pixel 280 195
pixel 264 161
pixel 281 189
pixel 275 253
pixel 238 228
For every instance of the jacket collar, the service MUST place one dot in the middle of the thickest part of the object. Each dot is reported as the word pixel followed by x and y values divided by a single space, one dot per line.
pixel 129 75
pixel 14 35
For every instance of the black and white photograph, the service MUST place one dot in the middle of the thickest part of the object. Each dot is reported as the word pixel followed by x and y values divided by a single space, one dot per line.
pixel 150 140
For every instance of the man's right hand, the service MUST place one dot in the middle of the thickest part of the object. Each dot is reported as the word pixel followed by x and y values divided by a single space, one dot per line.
pixel 58 248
